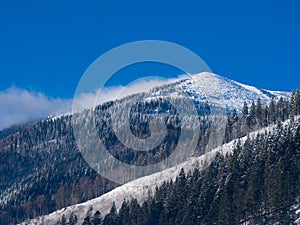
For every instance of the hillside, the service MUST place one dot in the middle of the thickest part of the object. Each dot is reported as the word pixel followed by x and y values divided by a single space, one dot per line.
pixel 42 169
pixel 141 188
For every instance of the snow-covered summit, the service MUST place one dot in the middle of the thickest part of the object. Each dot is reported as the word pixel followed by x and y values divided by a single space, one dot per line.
pixel 217 90
pixel 223 91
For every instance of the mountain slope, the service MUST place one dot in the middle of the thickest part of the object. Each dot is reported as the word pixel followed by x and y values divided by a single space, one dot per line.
pixel 42 169
pixel 139 189
pixel 222 91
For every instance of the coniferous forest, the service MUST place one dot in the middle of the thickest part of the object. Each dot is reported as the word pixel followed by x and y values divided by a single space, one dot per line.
pixel 258 183
pixel 42 171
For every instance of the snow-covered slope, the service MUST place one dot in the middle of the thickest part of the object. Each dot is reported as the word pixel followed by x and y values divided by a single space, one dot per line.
pixel 199 88
pixel 217 90
pixel 140 188
pixel 231 93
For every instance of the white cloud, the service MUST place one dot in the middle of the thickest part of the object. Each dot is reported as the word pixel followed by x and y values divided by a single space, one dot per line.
pixel 90 100
pixel 20 105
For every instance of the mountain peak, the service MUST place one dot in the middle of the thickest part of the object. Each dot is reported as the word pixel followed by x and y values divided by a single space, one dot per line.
pixel 223 91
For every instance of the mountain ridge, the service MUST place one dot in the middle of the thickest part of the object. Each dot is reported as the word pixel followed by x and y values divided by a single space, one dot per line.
pixel 41 163
pixel 139 189
pixel 232 86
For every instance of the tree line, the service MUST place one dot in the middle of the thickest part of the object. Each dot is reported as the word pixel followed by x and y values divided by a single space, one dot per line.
pixel 258 183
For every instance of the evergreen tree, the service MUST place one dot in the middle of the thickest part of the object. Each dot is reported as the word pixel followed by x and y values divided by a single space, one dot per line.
pixel 97 220
pixel 282 109
pixel 292 104
pixel 259 112
pixel 266 116
pixel 296 104
pixel 87 221
pixel 124 214
pixel 111 218
pixel 245 111
pixel 272 111
pixel 72 219
pixel 231 126
pixel 252 115
pixel 63 220
pixel 245 118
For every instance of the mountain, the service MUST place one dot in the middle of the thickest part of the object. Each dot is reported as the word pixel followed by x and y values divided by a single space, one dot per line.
pixel 139 189
pixel 222 91
pixel 42 169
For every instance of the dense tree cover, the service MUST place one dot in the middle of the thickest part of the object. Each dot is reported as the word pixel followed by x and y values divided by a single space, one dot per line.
pixel 257 184
pixel 42 170
pixel 257 115
pixel 140 116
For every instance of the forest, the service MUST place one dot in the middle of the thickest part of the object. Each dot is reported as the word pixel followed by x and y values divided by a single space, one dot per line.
pixel 42 169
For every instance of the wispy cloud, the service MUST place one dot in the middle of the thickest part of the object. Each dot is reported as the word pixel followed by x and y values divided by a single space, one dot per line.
pixel 89 100
pixel 20 105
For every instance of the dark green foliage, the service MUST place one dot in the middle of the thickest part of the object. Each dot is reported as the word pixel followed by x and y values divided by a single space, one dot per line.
pixel 295 104
pixel 111 218
pixel 41 161
pixel 87 221
pixel 97 219
pixel 72 219
pixel 43 164
pixel 258 183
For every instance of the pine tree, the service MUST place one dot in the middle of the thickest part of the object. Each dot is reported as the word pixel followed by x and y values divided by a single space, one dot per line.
pixel 124 214
pixel 111 218
pixel 272 111
pixel 292 102
pixel 87 221
pixel 252 115
pixel 259 112
pixel 296 104
pixel 231 132
pixel 97 220
pixel 245 119
pixel 266 116
pixel 63 220
pixel 72 219
pixel 282 109
pixel 245 111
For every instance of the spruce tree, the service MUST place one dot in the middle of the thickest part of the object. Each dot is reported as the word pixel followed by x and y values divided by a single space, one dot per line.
pixel 292 102
pixel 87 221
pixel 252 115
pixel 72 219
pixel 296 105
pixel 97 220
pixel 245 118
pixel 245 111
pixel 272 111
pixel 259 112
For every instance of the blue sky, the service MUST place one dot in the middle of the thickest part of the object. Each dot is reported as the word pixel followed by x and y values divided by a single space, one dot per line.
pixel 45 46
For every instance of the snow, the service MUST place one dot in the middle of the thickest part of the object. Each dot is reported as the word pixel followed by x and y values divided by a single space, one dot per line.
pixel 250 88
pixel 284 94
pixel 297 208
pixel 140 188
pixel 224 92
pixel 215 89
pixel 58 116
pixel 199 87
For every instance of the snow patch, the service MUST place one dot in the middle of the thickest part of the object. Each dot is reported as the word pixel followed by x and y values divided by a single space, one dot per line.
pixel 140 188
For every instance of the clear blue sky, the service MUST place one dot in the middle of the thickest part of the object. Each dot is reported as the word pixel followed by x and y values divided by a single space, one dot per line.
pixel 46 46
